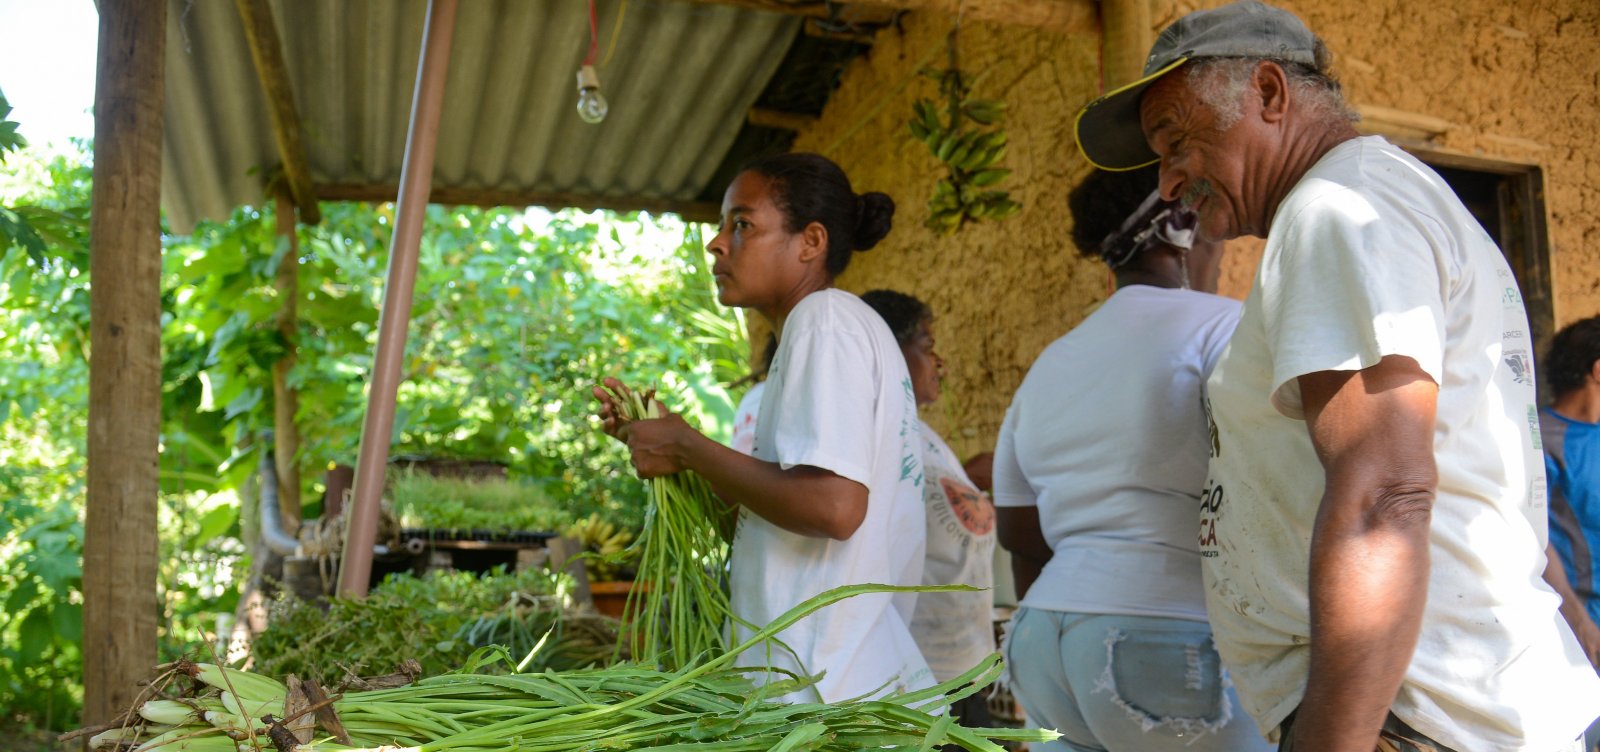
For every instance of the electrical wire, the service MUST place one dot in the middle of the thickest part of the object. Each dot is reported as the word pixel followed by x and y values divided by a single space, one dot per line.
pixel 616 33
pixel 594 36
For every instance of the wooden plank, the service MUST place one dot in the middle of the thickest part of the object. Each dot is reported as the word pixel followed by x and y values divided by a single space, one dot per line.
pixel 564 556
pixel 286 399
pixel 1388 121
pixel 121 540
pixel 789 121
pixel 1126 40
pixel 694 211
pixel 266 49
pixel 1062 16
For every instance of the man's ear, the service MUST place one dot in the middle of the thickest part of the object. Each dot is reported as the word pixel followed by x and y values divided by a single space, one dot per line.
pixel 1270 84
pixel 813 242
pixel 1594 371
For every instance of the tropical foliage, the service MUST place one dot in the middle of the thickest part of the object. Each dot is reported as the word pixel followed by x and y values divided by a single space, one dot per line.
pixel 516 316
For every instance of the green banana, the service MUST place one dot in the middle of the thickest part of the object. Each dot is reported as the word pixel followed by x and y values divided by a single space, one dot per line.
pixel 963 148
pixel 989 177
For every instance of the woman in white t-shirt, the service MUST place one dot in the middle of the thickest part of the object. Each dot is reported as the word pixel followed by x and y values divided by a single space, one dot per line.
pixel 744 415
pixel 954 630
pixel 1097 479
pixel 832 494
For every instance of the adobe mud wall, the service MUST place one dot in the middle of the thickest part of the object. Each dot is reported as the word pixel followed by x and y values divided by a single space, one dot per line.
pixel 1514 80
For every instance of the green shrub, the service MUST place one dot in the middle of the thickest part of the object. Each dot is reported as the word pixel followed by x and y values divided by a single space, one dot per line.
pixel 437 620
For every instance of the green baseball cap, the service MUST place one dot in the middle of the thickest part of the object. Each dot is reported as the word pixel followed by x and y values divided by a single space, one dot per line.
pixel 1108 129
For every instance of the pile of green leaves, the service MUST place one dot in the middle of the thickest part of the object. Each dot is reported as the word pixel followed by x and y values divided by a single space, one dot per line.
pixel 484 706
pixel 438 620
pixel 420 500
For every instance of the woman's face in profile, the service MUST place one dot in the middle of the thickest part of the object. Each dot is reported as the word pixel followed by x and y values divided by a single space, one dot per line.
pixel 753 251
pixel 925 365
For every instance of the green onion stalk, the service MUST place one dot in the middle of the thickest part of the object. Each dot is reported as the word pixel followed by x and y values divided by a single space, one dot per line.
pixel 709 706
pixel 679 611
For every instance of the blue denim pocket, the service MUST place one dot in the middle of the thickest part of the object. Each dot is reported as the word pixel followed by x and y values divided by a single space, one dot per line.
pixel 1167 676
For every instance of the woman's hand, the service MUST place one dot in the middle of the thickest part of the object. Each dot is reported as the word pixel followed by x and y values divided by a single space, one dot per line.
pixel 612 419
pixel 657 444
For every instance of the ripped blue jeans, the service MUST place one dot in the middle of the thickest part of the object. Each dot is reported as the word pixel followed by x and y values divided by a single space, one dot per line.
pixel 1125 684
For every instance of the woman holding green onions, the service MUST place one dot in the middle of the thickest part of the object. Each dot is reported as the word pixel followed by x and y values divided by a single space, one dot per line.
pixel 832 493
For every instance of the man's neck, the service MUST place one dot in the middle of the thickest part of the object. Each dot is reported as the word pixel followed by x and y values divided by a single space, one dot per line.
pixel 1582 405
pixel 1308 143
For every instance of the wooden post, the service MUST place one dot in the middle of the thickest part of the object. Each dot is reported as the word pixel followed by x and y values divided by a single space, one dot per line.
pixel 1127 40
pixel 286 400
pixel 266 51
pixel 416 176
pixel 120 550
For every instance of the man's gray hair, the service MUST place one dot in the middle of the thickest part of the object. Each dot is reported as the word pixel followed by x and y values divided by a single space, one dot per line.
pixel 1220 83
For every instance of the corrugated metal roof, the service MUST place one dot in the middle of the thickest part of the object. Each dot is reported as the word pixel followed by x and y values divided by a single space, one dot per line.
pixel 680 82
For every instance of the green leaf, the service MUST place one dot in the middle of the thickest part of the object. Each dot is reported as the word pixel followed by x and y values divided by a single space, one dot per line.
pixel 214 525
pixel 10 139
pixel 67 620
pixel 23 595
pixel 16 231
pixel 35 636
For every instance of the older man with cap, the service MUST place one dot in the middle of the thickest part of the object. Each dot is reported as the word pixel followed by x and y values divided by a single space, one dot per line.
pixel 1373 526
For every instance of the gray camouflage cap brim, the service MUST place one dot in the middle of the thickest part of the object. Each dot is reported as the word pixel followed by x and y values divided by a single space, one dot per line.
pixel 1108 131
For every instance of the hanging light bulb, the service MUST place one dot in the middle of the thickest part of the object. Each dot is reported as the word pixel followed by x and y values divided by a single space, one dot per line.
pixel 591 105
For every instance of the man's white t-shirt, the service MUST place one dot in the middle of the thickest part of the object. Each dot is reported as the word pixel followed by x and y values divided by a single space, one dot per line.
pixel 955 631
pixel 838 397
pixel 1107 437
pixel 1372 255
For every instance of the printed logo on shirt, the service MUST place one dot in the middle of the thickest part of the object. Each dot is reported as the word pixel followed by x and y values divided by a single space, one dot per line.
pixel 1521 366
pixel 1211 427
pixel 968 505
pixel 1210 510
pixel 911 462
pixel 1211 498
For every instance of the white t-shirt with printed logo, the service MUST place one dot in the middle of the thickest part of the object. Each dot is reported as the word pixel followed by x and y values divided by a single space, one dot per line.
pixel 838 397
pixel 744 418
pixel 954 630
pixel 1107 437
pixel 1372 255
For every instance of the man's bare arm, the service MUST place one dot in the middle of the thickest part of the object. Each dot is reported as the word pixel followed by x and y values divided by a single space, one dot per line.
pixel 1373 432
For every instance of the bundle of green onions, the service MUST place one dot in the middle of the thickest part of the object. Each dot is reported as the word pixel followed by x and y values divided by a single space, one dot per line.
pixel 678 614
pixel 708 707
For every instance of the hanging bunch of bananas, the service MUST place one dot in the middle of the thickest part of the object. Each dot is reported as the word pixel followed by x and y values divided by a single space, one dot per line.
pixel 606 541
pixel 969 141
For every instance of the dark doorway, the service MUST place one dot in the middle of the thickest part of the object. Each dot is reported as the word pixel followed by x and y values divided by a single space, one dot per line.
pixel 1507 198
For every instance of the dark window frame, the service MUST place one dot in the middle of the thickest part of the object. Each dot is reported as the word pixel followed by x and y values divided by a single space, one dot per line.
pixel 1524 233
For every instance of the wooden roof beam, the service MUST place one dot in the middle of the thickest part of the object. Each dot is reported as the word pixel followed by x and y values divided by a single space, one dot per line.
pixel 788 121
pixel 1126 40
pixel 1062 16
pixel 266 50
pixel 488 198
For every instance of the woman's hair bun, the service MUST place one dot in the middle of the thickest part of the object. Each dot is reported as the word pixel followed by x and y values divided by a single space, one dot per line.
pixel 875 215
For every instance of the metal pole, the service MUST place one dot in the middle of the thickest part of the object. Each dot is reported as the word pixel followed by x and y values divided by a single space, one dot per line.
pixel 416 177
